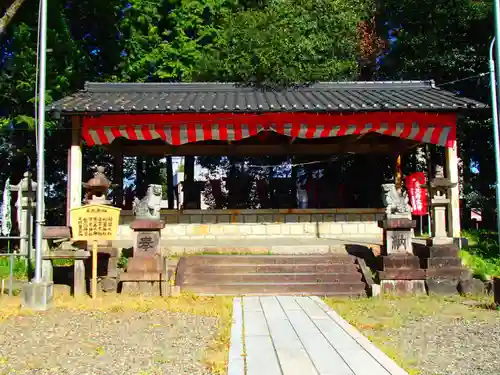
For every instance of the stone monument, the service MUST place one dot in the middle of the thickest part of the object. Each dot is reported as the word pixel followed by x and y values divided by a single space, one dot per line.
pixel 401 268
pixel 444 267
pixel 145 272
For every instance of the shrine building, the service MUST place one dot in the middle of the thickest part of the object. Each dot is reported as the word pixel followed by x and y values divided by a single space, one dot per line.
pixel 312 122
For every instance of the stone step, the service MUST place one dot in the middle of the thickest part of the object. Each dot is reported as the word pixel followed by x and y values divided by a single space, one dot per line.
pixel 270 259
pixel 267 268
pixel 323 289
pixel 217 278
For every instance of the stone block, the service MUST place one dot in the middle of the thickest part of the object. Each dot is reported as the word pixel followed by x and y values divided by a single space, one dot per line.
pixel 144 264
pixel 258 229
pixel 353 218
pixel 284 229
pixel 304 218
pixel 442 286
pixel 38 296
pixel 340 218
pixel 79 284
pixel 310 228
pixel 402 287
pixel 361 228
pixel 296 229
pixel 474 287
pixel 444 251
pixel 264 219
pixel 375 289
pixel 336 228
pixel 349 228
pixel 184 219
pixel 444 262
pixel 317 218
pixel 402 274
pixel 273 230
pixel 457 273
pixel 368 217
pixel 251 219
pixel 278 218
pixel 108 285
pixel 216 229
pixel 291 218
pixel 209 219
pixel 130 287
pixel 328 218
pixel 195 219
pixel 171 219
pixel 198 230
pixel 401 261
pixel 224 219
pixel 398 241
pixel 231 229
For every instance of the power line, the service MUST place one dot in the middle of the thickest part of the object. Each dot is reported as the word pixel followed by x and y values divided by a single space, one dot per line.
pixel 463 79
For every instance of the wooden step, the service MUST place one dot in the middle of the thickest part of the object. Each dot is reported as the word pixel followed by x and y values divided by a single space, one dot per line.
pixel 269 259
pixel 331 289
pixel 269 268
pixel 279 277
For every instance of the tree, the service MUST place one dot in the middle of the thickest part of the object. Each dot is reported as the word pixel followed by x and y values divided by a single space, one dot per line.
pixel 9 14
pixel 288 42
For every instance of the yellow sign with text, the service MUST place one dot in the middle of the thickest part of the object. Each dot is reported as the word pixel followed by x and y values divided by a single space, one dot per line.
pixel 94 222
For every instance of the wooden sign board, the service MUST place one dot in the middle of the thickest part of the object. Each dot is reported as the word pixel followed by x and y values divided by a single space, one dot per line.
pixel 94 222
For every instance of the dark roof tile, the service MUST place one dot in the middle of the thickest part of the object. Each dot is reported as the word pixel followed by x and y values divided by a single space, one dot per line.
pixel 220 97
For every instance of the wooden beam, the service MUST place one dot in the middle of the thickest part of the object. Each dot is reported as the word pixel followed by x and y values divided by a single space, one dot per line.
pixel 254 150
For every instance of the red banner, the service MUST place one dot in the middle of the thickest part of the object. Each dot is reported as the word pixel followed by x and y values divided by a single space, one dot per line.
pixel 417 192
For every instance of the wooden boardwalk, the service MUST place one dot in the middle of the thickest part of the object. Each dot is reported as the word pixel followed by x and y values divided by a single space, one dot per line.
pixel 283 335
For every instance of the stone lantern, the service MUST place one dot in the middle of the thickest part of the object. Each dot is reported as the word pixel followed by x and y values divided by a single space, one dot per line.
pixel 97 187
pixel 440 188
pixel 25 204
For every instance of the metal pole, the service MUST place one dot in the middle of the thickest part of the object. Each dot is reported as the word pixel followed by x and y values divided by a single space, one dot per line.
pixel 494 108
pixel 40 190
pixel 11 268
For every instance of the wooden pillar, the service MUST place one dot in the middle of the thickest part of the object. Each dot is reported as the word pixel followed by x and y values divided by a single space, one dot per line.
pixel 75 161
pixel 170 183
pixel 452 174
pixel 118 179
pixel 140 189
pixel 189 169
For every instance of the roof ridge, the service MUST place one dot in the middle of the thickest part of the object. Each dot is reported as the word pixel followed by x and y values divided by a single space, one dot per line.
pixel 171 86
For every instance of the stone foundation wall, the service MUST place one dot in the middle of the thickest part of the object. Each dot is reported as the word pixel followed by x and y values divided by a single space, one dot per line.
pixel 214 224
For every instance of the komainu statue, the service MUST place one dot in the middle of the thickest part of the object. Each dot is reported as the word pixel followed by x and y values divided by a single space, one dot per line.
pixel 395 200
pixel 149 206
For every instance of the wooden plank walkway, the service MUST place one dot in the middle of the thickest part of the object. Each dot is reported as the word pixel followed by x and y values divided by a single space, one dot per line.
pixel 283 335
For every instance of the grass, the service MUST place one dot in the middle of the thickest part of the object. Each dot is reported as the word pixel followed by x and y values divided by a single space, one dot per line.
pixel 215 357
pixel 20 269
pixel 374 317
pixel 482 254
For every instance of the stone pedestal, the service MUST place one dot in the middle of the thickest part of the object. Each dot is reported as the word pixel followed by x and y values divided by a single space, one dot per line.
pixel 146 273
pixel 496 291
pixel 38 296
pixel 444 269
pixel 401 273
pixel 397 233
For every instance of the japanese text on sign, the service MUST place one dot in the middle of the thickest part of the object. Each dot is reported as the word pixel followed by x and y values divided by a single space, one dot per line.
pixel 95 222
pixel 418 193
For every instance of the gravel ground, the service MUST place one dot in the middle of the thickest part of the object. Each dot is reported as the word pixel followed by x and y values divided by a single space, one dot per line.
pixel 105 343
pixel 451 346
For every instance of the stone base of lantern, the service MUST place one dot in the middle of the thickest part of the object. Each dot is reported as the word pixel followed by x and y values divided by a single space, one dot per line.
pixel 444 269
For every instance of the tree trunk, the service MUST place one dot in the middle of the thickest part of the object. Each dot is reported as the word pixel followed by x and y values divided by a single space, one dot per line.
pixel 9 14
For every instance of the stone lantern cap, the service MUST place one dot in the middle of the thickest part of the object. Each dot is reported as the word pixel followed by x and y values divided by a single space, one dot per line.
pixel 99 183
pixel 441 182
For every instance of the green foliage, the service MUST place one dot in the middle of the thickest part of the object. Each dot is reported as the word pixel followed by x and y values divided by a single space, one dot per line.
pixel 20 271
pixel 483 254
pixel 288 42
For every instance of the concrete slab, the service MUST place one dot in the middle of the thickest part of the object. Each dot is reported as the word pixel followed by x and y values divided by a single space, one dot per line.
pixel 301 336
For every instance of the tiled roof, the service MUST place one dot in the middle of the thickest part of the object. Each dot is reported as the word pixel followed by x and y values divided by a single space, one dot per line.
pixel 220 97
